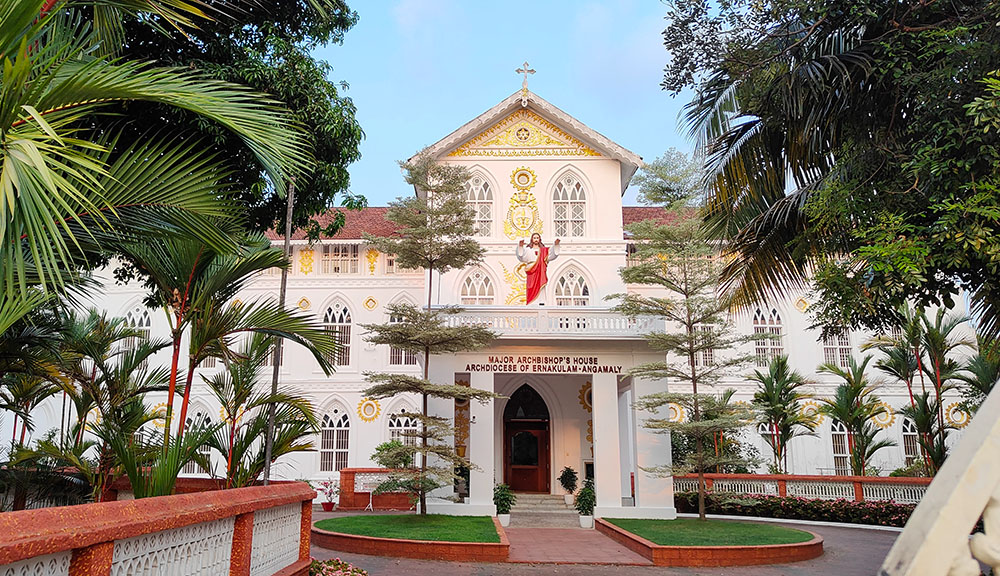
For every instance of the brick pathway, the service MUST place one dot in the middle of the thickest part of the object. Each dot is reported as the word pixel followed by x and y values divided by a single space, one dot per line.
pixel 568 545
pixel 848 552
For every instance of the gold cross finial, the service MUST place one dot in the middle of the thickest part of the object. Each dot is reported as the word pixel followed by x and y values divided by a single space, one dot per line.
pixel 524 69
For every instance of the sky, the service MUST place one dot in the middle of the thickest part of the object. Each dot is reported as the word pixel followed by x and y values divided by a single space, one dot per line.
pixel 419 69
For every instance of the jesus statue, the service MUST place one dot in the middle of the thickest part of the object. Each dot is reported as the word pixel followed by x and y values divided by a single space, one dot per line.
pixel 536 256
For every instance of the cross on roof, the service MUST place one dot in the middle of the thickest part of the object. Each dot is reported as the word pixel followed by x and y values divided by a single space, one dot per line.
pixel 524 84
pixel 525 70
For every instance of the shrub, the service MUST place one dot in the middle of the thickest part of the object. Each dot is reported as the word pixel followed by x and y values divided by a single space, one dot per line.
pixel 329 489
pixel 503 498
pixel 916 470
pixel 586 498
pixel 881 513
pixel 568 479
pixel 335 567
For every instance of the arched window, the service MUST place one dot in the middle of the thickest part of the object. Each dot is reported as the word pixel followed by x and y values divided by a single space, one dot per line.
pixel 841 453
pixel 768 344
pixel 338 321
pixel 192 467
pixel 403 427
pixel 479 196
pixel 837 349
pixel 335 441
pixel 138 320
pixel 911 443
pixel 478 288
pixel 398 356
pixel 569 207
pixel 571 289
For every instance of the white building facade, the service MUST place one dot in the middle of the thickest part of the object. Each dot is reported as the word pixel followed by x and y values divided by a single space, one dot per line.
pixel 561 367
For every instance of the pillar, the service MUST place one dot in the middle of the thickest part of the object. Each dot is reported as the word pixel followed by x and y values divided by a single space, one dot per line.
pixel 651 450
pixel 239 559
pixel 607 456
pixel 481 444
pixel 93 560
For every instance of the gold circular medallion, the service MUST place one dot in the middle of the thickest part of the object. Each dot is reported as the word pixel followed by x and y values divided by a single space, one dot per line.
pixel 368 409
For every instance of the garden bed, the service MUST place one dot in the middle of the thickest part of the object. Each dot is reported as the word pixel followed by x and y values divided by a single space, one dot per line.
pixel 689 542
pixel 431 537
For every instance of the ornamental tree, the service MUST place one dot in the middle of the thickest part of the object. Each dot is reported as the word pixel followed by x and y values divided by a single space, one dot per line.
pixel 435 233
pixel 679 259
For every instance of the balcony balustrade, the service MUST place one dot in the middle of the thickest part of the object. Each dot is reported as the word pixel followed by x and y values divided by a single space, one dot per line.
pixel 577 322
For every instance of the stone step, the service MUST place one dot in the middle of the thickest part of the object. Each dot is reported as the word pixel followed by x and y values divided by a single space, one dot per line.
pixel 565 519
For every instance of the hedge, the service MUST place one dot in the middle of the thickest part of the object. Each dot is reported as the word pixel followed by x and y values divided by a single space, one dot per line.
pixel 877 512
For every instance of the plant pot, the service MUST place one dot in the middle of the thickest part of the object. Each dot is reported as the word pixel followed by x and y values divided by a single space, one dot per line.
pixel 504 519
pixel 568 499
pixel 586 521
pixel 327 506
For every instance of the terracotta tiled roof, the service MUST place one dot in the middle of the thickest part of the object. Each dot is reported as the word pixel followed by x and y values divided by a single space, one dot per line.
pixel 633 214
pixel 371 220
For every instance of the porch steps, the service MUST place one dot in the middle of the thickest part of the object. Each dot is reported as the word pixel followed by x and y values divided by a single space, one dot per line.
pixel 543 511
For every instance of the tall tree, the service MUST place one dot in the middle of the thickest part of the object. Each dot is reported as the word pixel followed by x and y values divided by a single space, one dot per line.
pixel 269 47
pixel 778 401
pixel 435 232
pixel 853 147
pixel 671 177
pixel 698 343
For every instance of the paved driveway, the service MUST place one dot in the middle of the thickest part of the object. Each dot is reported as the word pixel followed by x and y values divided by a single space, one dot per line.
pixel 848 552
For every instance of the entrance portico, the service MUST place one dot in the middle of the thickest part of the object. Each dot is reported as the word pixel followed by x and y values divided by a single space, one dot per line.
pixel 560 409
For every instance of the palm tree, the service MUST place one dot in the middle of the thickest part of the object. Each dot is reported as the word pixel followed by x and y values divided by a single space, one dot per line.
pixel 241 438
pixel 980 375
pixel 855 404
pixel 931 436
pixel 938 341
pixel 778 402
pixel 196 285
pixel 71 191
pixel 24 392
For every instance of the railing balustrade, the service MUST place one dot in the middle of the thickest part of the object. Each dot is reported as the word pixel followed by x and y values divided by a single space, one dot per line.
pixel 580 321
pixel 258 531
pixel 905 490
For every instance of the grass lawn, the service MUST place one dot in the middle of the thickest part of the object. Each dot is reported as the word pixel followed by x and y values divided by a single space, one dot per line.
pixel 436 527
pixel 692 532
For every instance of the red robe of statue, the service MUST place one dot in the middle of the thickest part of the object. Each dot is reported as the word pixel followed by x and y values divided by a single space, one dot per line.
pixel 537 276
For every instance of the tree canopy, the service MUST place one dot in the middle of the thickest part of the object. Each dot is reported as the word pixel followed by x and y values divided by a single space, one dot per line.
pixel 851 147
pixel 266 46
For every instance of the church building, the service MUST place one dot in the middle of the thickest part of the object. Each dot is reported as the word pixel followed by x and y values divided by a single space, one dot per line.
pixel 560 363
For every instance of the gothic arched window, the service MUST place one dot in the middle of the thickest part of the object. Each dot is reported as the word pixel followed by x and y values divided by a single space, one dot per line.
pixel 479 197
pixel 337 320
pixel 841 453
pixel 398 356
pixel 478 288
pixel 335 441
pixel 404 428
pixel 768 344
pixel 571 289
pixel 911 444
pixel 569 207
pixel 138 320
pixel 192 467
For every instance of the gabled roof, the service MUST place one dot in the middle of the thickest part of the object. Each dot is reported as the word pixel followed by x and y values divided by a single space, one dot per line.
pixel 370 219
pixel 527 100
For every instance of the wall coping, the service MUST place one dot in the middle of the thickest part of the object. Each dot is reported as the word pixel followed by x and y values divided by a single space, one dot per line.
pixel 31 533
pixel 812 478
pixel 706 556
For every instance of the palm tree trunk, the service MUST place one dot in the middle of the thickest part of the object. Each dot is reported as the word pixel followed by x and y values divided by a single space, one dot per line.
pixel 187 399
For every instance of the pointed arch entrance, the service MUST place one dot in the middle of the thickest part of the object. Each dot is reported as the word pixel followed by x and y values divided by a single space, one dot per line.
pixel 526 441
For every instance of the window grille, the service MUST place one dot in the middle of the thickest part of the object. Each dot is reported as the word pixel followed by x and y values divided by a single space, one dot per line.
pixel 340 259
pixel 398 356
pixel 768 346
pixel 337 320
pixel 841 452
pixel 479 197
pixel 569 207
pixel 572 290
pixel 911 442
pixel 837 349
pixel 478 289
pixel 335 441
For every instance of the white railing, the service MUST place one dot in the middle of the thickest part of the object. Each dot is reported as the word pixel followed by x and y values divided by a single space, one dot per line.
pixel 767 487
pixel 898 492
pixel 936 538
pixel 821 490
pixel 197 549
pixel 50 565
pixel 275 539
pixel 557 321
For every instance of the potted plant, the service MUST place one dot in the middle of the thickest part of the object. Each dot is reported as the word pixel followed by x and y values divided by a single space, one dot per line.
pixel 329 489
pixel 503 499
pixel 585 501
pixel 568 478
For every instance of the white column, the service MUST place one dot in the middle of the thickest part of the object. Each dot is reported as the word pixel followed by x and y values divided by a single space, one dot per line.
pixel 651 450
pixel 481 445
pixel 607 457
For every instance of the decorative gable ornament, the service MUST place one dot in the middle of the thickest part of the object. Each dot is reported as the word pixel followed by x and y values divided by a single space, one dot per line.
pixel 524 133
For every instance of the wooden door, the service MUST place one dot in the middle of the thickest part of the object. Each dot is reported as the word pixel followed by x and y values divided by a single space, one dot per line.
pixel 526 454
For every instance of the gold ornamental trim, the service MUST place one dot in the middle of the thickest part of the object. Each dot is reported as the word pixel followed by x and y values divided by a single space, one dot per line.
pixel 523 133
pixel 887 418
pixel 516 280
pixel 372 257
pixel 586 396
pixel 956 416
pixel 369 409
pixel 306 261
